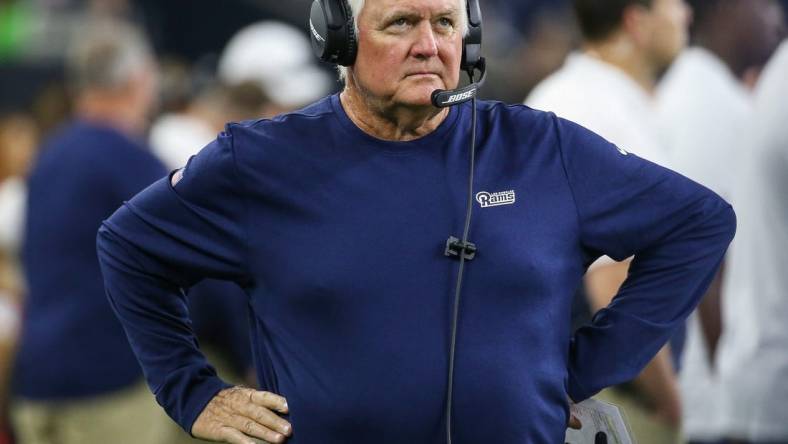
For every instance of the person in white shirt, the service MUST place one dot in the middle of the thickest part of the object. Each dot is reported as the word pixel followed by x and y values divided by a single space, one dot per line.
pixel 247 86
pixel 704 109
pixel 278 57
pixel 175 137
pixel 608 87
pixel 752 361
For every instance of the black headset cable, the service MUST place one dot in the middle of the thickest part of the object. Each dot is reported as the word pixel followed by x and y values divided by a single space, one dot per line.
pixel 458 285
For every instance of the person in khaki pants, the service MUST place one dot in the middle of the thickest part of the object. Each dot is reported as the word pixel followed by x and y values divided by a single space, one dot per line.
pixel 9 325
pixel 129 416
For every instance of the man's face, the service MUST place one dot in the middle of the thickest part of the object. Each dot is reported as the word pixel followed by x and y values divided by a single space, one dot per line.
pixel 407 49
pixel 141 93
pixel 667 30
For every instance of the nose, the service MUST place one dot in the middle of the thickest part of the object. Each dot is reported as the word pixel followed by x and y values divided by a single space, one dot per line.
pixel 426 45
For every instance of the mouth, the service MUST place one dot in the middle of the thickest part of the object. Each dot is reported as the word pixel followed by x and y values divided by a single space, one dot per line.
pixel 422 74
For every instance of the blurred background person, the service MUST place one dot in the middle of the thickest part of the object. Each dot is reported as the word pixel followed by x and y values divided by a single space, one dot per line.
pixel 75 378
pixel 18 138
pixel 278 58
pixel 752 361
pixel 266 68
pixel 9 325
pixel 608 87
pixel 705 112
pixel 176 136
pixel 524 41
pixel 18 141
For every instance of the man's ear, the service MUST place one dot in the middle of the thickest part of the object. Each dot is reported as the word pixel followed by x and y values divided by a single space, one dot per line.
pixel 635 22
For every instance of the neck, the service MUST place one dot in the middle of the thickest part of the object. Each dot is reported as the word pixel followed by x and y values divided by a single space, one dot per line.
pixel 389 122
pixel 721 45
pixel 622 53
pixel 110 110
pixel 211 115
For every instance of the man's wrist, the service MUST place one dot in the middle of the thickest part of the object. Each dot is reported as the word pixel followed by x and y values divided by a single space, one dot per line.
pixel 200 398
pixel 187 392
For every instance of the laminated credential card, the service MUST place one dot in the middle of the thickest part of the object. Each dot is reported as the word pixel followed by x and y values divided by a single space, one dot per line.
pixel 602 423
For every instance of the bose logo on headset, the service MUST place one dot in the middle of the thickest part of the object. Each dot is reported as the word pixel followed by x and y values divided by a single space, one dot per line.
pixel 461 97
pixel 314 32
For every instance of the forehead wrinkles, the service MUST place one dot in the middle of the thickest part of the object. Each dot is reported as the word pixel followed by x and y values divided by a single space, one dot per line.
pixel 379 10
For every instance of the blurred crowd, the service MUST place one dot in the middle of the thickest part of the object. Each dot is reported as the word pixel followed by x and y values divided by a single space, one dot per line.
pixel 99 98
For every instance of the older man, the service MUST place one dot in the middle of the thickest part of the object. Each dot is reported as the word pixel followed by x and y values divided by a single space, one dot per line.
pixel 335 218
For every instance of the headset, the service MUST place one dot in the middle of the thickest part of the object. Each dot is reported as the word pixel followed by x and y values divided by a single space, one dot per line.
pixel 333 33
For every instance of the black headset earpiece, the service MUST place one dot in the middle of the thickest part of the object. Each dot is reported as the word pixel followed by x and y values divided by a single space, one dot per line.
pixel 472 44
pixel 333 33
pixel 471 62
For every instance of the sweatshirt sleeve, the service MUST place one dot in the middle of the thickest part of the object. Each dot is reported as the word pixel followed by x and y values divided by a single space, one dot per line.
pixel 678 232
pixel 161 242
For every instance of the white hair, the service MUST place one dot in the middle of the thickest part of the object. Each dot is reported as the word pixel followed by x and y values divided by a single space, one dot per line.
pixel 356 6
pixel 106 55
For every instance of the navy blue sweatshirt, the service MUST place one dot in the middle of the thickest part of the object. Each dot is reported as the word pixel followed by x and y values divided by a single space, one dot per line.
pixel 338 239
pixel 71 344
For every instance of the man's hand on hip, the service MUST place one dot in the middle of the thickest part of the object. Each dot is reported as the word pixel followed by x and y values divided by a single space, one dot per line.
pixel 238 414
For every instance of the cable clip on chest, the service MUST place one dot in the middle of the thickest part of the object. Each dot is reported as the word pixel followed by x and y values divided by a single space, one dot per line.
pixel 455 246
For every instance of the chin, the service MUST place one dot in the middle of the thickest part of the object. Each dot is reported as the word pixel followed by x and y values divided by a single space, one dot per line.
pixel 421 101
pixel 420 95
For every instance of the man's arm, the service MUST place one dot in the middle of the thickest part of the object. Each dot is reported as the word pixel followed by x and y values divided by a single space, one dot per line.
pixel 710 315
pixel 657 382
pixel 164 240
pixel 676 230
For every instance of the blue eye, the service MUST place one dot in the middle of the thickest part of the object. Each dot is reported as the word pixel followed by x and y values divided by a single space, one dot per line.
pixel 400 22
pixel 445 22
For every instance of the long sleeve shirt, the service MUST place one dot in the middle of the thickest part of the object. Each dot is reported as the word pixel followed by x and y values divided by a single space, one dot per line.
pixel 338 239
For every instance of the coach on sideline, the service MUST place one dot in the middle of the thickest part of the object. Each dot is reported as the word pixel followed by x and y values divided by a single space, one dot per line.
pixel 334 220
